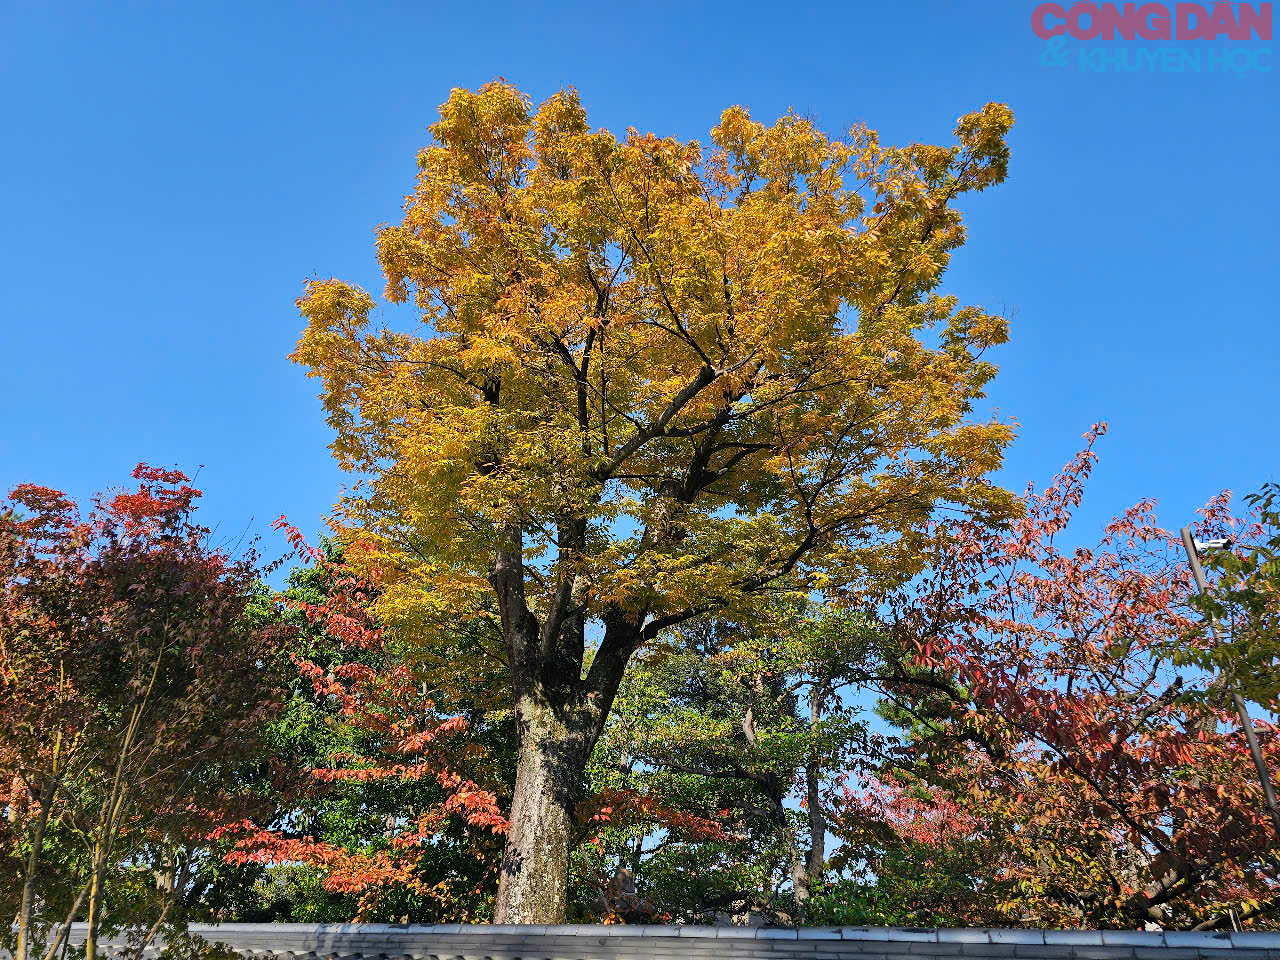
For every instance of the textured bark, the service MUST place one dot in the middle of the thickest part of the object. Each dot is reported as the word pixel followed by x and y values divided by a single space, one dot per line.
pixel 807 869
pixel 799 880
pixel 535 864
pixel 816 862
pixel 560 714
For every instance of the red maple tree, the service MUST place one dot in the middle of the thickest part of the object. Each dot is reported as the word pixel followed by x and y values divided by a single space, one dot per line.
pixel 1115 789
pixel 135 685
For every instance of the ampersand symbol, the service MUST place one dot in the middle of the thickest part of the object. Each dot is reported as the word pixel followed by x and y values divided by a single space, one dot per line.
pixel 1055 53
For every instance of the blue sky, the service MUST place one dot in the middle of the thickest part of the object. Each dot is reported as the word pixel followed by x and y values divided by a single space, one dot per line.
pixel 172 173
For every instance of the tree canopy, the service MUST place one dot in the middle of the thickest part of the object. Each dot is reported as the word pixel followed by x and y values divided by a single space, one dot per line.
pixel 651 380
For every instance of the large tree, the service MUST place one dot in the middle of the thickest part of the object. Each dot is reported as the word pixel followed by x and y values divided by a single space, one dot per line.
pixel 652 381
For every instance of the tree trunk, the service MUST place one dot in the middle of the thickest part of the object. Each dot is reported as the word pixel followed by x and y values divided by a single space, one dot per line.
pixel 97 889
pixel 95 910
pixel 47 796
pixel 535 864
pixel 61 937
pixel 799 881
pixel 816 863
pixel 560 715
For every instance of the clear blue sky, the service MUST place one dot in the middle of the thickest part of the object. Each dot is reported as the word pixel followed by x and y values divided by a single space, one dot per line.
pixel 172 173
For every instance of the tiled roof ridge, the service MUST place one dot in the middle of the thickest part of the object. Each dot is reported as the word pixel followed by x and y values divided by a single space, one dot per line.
pixel 354 932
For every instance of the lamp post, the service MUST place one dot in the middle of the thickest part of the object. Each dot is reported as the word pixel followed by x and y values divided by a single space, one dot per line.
pixel 1242 709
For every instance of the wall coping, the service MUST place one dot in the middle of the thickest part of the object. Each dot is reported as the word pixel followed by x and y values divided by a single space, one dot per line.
pixel 1249 940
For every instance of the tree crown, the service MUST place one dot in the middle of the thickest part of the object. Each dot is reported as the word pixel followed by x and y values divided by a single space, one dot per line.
pixel 658 377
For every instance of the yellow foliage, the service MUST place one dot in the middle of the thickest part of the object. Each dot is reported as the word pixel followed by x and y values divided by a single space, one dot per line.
pixel 666 377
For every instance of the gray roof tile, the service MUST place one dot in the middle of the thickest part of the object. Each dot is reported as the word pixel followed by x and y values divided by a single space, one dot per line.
pixel 616 942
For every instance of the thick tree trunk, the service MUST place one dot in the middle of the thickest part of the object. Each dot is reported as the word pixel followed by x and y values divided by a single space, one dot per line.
pixel 560 715
pixel 535 865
